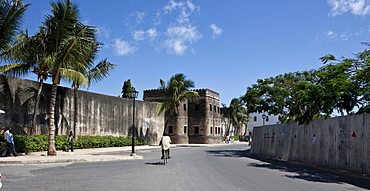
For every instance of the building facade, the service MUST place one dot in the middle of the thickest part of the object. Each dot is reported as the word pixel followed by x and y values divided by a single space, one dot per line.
pixel 261 119
pixel 195 122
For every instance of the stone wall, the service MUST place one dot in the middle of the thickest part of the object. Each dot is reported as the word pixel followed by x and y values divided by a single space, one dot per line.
pixel 97 115
pixel 336 143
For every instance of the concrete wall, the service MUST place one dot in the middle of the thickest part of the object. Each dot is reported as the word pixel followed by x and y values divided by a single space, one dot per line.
pixel 98 114
pixel 336 143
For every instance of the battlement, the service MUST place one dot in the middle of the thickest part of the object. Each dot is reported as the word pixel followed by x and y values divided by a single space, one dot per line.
pixel 202 93
pixel 153 93
pixel 208 93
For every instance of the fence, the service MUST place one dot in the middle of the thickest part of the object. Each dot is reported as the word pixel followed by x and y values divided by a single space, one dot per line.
pixel 336 143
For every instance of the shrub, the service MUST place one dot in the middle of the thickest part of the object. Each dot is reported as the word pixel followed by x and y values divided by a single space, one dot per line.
pixel 27 143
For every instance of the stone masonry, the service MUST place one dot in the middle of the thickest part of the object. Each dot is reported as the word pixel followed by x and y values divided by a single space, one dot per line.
pixel 196 122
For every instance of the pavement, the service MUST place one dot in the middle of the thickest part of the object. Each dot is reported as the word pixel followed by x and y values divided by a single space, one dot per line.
pixel 87 155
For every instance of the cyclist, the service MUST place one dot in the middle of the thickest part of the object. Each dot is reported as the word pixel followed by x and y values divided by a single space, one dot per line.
pixel 165 142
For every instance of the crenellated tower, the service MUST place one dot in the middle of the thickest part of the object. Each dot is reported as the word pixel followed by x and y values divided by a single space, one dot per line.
pixel 196 122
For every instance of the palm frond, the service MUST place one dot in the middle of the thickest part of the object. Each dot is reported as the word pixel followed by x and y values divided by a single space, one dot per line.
pixel 15 70
pixel 11 14
pixel 100 71
pixel 76 78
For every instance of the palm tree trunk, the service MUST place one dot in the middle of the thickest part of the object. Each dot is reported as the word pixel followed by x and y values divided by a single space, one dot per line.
pixel 35 111
pixel 51 149
pixel 75 131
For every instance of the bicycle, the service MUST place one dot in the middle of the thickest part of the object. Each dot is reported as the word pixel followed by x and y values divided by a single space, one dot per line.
pixel 165 157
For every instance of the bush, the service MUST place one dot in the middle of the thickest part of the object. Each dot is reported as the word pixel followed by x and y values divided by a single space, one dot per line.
pixel 27 143
pixel 236 138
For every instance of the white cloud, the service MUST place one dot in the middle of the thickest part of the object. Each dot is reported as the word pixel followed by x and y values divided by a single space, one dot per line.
pixel 331 35
pixel 138 35
pixel 122 47
pixel 180 38
pixel 172 5
pixel 181 34
pixel 139 16
pixel 186 9
pixel 173 29
pixel 105 31
pixel 216 31
pixel 152 33
pixel 356 7
pixel 344 36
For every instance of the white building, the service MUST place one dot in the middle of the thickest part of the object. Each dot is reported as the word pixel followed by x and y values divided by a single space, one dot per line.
pixel 261 119
pixel 255 120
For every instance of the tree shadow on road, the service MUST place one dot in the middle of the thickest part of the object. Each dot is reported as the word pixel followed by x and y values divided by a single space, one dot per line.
pixel 293 171
pixel 230 153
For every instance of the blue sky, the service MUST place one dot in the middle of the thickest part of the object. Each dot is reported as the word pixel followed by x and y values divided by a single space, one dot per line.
pixel 223 45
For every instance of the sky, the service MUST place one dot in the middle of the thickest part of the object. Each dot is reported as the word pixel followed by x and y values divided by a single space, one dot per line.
pixel 222 45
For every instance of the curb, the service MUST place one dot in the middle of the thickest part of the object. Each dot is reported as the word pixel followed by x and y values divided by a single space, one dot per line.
pixel 71 160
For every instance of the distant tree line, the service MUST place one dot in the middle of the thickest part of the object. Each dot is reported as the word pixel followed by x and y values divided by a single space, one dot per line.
pixel 340 86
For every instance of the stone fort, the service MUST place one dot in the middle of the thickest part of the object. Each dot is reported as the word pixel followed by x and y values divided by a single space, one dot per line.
pixel 196 122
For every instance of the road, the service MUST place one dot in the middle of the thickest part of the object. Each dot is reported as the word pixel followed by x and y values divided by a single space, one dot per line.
pixel 225 167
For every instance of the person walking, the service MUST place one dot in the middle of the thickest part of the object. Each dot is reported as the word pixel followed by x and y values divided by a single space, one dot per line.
pixel 6 133
pixel 9 144
pixel 70 141
pixel 165 142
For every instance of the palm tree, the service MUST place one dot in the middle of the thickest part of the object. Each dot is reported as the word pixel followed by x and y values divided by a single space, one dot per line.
pixel 175 92
pixel 11 17
pixel 70 43
pixel 93 75
pixel 30 55
pixel 236 113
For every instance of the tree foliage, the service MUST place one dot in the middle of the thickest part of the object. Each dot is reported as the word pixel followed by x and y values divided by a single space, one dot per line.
pixel 236 113
pixel 341 85
pixel 176 91
pixel 127 88
pixel 11 17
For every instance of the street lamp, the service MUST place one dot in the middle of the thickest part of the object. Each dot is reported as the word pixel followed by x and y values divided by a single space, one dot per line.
pixel 263 119
pixel 134 95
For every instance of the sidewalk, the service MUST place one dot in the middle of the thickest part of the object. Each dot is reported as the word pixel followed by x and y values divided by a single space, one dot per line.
pixel 79 155
pixel 87 155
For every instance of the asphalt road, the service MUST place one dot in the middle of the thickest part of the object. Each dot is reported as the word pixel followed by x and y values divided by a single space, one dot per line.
pixel 226 167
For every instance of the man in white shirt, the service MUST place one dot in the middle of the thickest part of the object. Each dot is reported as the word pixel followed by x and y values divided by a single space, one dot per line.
pixel 165 142
pixel 6 133
pixel 9 145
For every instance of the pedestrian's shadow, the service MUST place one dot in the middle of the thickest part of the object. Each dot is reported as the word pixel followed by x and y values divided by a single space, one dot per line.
pixel 154 163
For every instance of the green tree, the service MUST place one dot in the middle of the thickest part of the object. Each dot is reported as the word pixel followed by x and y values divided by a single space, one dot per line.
pixel 126 89
pixel 341 91
pixel 29 55
pixel 236 113
pixel 175 91
pixel 294 96
pixel 351 82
